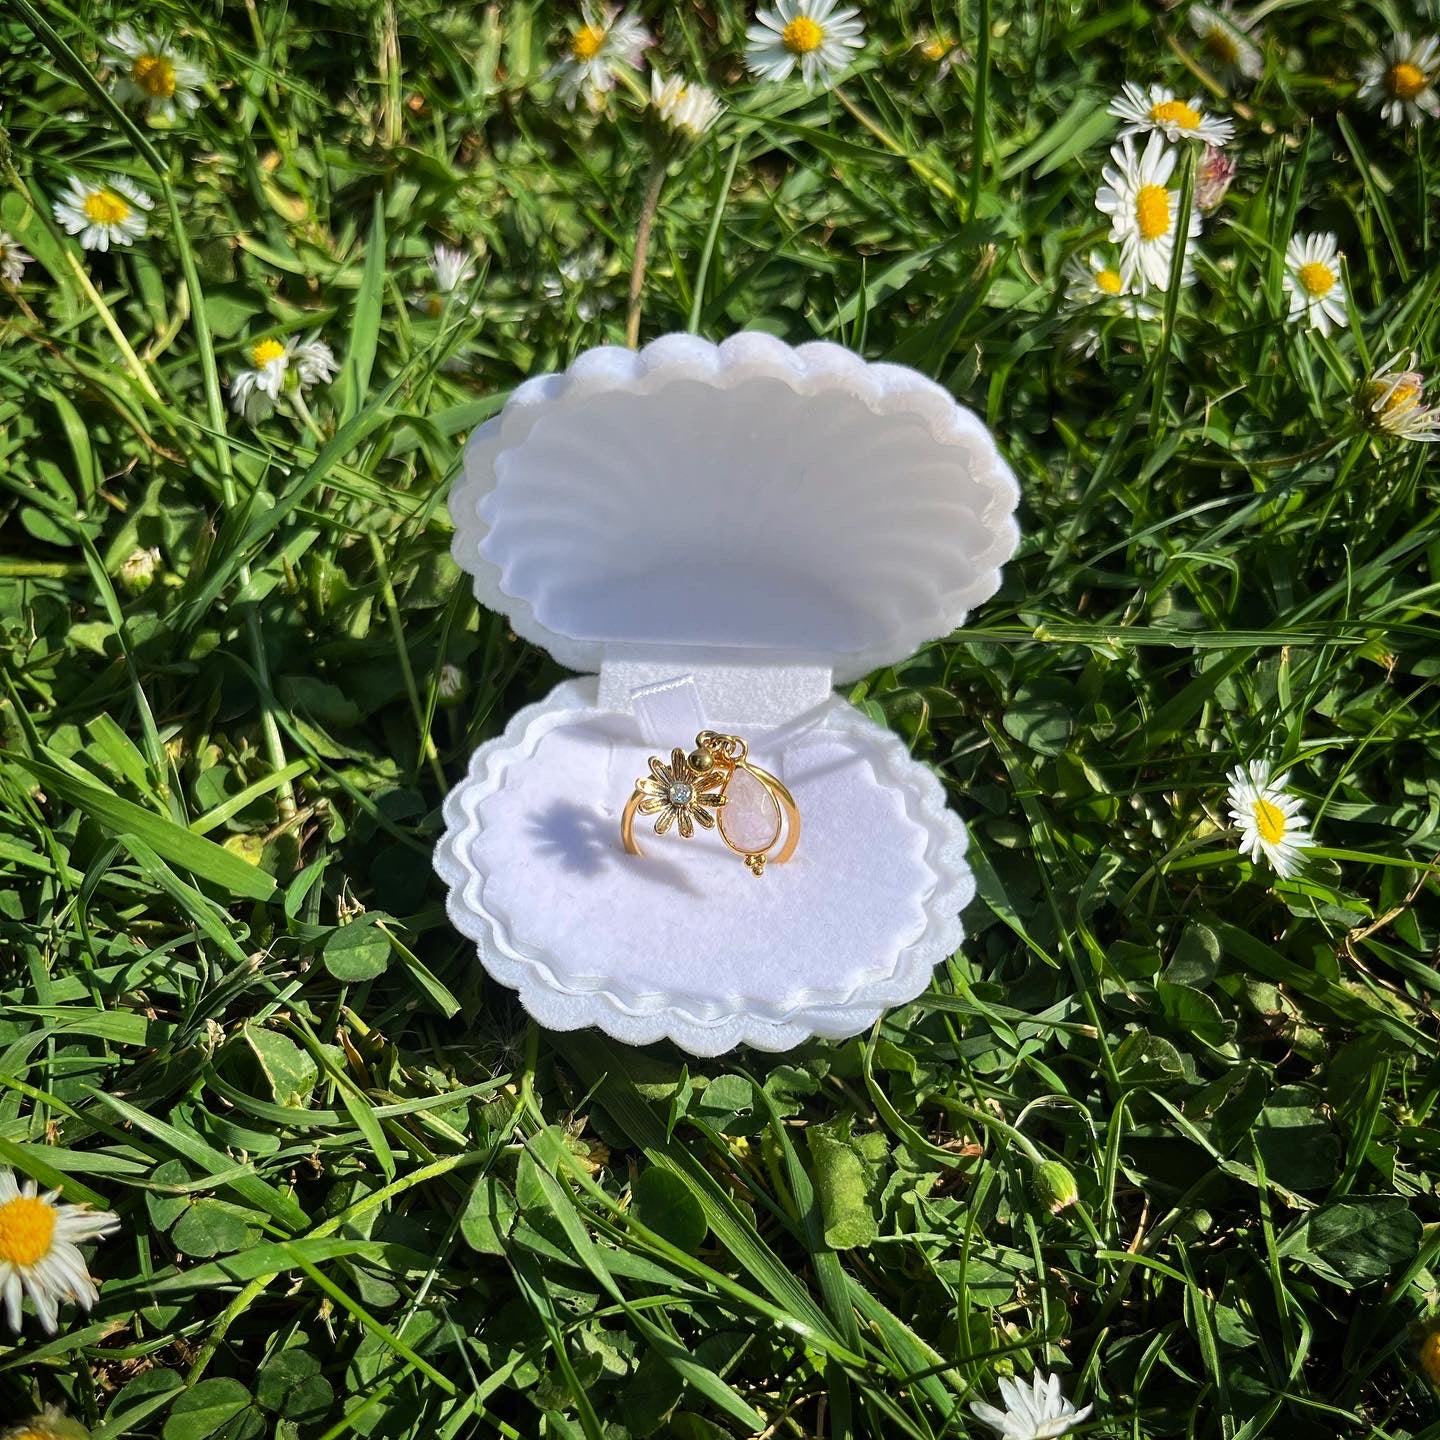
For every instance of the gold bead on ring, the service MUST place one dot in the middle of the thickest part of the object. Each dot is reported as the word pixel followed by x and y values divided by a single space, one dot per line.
pixel 701 788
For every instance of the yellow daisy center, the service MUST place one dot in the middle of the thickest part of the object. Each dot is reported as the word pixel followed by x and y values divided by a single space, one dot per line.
pixel 1109 281
pixel 1404 80
pixel 27 1225
pixel 155 75
pixel 802 35
pixel 1430 1356
pixel 1152 211
pixel 1269 821
pixel 105 207
pixel 1222 47
pixel 585 43
pixel 1175 112
pixel 1404 397
pixel 266 351
pixel 1317 278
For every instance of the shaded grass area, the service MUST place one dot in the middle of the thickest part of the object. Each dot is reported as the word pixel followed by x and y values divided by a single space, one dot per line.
pixel 359 1193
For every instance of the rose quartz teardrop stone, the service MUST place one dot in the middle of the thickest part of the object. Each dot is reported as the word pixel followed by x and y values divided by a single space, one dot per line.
pixel 750 816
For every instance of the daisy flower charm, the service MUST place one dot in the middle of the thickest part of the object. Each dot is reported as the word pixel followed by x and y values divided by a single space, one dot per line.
pixel 104 215
pixel 1270 820
pixel 1312 281
pixel 1143 210
pixel 812 34
pixel 1165 112
pixel 681 794
pixel 38 1250
pixel 605 41
pixel 1400 81
pixel 1037 1411
pixel 153 74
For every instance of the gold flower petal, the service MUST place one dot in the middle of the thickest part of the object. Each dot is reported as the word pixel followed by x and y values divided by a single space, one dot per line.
pixel 653 804
pixel 666 820
pixel 703 817
pixel 661 774
pixel 647 786
pixel 687 825
pixel 679 767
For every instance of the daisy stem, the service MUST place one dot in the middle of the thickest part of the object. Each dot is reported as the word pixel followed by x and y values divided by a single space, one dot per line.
pixel 133 363
pixel 653 187
pixel 979 114
pixel 919 166
pixel 397 627
pixel 297 399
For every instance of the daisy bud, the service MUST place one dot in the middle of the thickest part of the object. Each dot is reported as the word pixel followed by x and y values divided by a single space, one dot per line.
pixel 1212 178
pixel 1055 1186
pixel 328 584
pixel 449 686
pixel 137 573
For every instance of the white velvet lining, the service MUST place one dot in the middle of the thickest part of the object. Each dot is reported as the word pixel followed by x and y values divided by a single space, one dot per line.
pixel 684 942
pixel 745 495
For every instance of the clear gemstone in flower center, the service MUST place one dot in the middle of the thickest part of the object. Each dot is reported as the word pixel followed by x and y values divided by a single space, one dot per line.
pixel 680 793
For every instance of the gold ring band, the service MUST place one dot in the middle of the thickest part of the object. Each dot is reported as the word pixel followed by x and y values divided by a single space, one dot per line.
pixel 695 789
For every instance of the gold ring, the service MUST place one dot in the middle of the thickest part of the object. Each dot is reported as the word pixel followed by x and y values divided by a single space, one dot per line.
pixel 701 788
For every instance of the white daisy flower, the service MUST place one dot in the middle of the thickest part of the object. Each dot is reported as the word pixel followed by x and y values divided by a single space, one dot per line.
pixel 685 109
pixel 1096 279
pixel 451 267
pixel 153 73
pixel 606 40
pixel 1392 402
pixel 1164 111
pixel 51 1424
pixel 293 364
pixel 13 259
pixel 1269 820
pixel 579 282
pixel 1034 1412
pixel 812 34
pixel 1225 41
pixel 104 215
pixel 942 51
pixel 38 1250
pixel 137 570
pixel 1313 283
pixel 1400 80
pixel 1143 210
pixel 451 270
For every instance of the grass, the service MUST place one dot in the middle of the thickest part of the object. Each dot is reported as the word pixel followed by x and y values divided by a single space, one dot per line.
pixel 359 1193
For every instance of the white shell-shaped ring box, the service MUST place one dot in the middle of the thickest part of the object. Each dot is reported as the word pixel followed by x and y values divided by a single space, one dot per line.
pixel 717 535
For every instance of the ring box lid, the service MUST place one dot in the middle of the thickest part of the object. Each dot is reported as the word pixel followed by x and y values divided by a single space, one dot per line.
pixel 746 501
